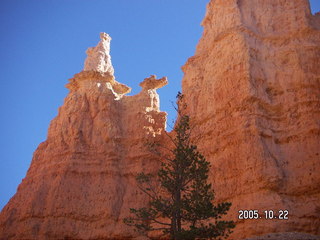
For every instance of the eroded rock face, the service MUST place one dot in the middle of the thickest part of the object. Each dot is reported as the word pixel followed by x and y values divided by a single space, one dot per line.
pixel 81 182
pixel 253 92
pixel 99 59
pixel 287 236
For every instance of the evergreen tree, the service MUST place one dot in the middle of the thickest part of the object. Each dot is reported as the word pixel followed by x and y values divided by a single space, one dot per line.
pixel 182 206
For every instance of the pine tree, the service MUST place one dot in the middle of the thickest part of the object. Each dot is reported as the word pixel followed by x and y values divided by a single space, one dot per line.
pixel 182 206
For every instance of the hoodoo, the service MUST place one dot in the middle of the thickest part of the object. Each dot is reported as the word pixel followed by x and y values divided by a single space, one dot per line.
pixel 252 92
pixel 256 72
pixel 81 182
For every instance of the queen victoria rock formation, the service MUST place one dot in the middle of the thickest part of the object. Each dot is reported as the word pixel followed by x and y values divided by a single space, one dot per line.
pixel 252 91
pixel 81 182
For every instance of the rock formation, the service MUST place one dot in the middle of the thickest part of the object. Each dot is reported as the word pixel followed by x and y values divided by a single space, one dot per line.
pixel 81 182
pixel 99 59
pixel 253 92
pixel 287 236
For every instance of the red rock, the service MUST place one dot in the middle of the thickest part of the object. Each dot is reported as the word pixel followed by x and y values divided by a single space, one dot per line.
pixel 81 182
pixel 256 72
pixel 253 94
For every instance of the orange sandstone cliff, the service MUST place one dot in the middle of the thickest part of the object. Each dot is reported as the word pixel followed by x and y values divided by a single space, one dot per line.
pixel 81 182
pixel 253 93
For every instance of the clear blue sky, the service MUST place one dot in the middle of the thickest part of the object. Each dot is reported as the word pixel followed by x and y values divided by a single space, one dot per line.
pixel 43 44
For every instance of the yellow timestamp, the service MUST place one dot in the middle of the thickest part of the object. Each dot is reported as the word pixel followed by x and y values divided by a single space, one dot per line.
pixel 267 214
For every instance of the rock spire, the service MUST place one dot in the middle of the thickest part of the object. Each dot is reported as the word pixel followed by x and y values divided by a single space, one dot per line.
pixel 252 92
pixel 81 182
pixel 99 58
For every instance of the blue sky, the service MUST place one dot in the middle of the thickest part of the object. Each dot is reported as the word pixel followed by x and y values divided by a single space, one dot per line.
pixel 43 44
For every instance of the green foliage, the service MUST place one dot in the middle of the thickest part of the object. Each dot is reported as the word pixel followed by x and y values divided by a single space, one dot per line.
pixel 183 205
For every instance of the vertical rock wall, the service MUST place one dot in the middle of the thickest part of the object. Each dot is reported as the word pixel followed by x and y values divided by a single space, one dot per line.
pixel 253 93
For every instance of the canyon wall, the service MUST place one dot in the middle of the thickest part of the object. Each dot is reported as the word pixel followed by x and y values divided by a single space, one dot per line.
pixel 253 94
pixel 81 182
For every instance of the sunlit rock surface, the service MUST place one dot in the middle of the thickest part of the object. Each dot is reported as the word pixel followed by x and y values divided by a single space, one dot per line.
pixel 99 59
pixel 253 94
pixel 81 182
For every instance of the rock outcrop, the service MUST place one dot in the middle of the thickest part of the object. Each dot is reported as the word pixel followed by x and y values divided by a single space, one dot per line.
pixel 253 93
pixel 99 59
pixel 81 182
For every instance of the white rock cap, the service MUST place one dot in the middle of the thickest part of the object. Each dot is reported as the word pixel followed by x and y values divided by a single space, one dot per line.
pixel 98 58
